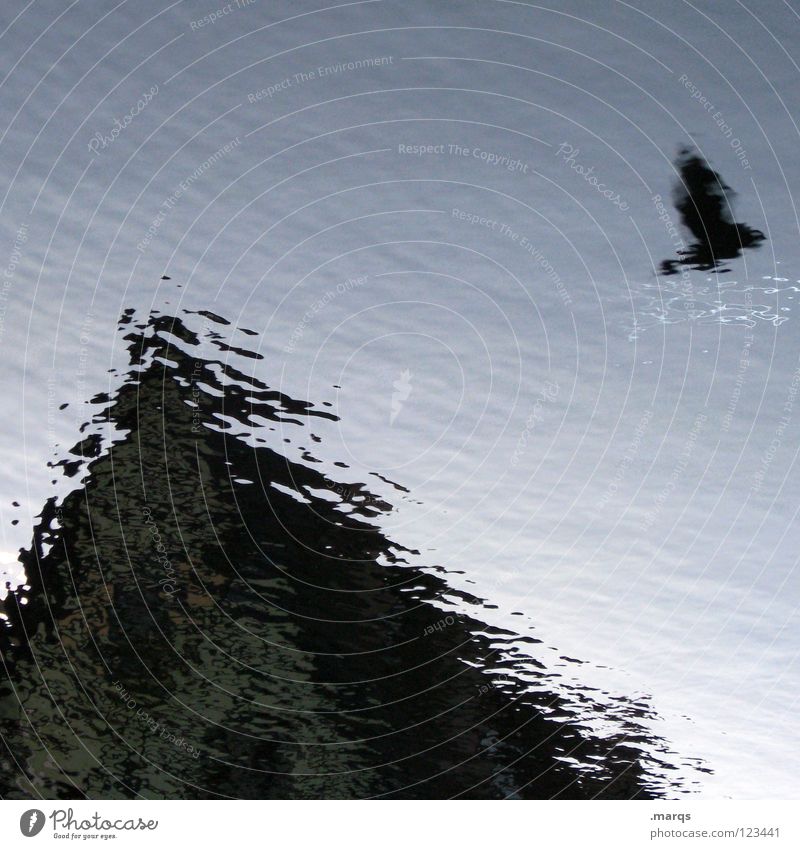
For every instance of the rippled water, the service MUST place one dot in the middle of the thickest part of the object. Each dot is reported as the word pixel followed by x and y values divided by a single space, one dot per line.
pixel 539 431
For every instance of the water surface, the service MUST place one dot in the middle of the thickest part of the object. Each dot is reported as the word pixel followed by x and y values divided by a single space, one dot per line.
pixel 582 449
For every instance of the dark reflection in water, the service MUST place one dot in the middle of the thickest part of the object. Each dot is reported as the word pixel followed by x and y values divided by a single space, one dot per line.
pixel 205 617
pixel 704 202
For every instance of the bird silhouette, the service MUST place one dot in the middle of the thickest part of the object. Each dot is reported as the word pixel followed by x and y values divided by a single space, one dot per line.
pixel 703 200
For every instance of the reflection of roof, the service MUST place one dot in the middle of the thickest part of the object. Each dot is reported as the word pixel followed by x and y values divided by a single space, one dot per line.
pixel 287 655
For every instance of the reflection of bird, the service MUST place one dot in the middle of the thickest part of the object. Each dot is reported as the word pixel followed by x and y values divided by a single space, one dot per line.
pixel 33 820
pixel 704 202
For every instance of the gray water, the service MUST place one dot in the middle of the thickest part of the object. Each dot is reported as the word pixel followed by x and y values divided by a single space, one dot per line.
pixel 605 454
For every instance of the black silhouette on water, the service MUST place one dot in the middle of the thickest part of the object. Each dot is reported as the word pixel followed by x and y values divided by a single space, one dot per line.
pixel 199 622
pixel 705 205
